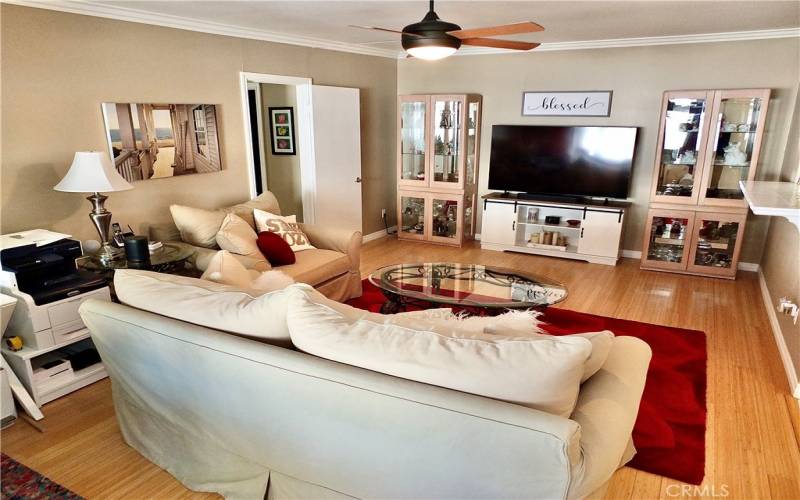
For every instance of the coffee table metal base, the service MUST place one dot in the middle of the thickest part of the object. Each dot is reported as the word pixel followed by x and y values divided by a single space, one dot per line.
pixel 398 303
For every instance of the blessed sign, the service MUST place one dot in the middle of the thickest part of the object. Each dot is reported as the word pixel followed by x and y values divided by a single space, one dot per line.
pixel 568 103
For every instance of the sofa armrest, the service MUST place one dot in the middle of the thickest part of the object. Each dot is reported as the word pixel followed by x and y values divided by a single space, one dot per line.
pixel 341 240
pixel 606 411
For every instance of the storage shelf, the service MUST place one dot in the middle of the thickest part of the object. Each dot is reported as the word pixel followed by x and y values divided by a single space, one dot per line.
pixel 78 376
pixel 28 352
pixel 562 225
pixel 675 242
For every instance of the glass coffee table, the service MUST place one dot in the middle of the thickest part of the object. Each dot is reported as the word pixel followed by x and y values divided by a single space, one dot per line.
pixel 475 288
pixel 169 258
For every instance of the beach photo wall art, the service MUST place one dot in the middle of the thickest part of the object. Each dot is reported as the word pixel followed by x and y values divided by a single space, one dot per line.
pixel 151 141
pixel 281 127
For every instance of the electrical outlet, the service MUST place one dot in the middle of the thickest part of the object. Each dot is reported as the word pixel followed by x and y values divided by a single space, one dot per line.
pixel 786 306
pixel 383 213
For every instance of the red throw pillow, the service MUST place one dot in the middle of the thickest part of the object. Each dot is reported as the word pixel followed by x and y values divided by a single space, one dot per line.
pixel 275 249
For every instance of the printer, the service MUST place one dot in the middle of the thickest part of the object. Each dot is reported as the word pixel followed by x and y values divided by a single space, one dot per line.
pixel 38 269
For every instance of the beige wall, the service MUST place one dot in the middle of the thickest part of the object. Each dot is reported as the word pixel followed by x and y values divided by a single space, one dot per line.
pixel 781 262
pixel 57 68
pixel 283 171
pixel 638 76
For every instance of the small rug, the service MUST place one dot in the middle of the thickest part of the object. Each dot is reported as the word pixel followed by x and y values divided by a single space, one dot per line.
pixel 23 483
pixel 669 433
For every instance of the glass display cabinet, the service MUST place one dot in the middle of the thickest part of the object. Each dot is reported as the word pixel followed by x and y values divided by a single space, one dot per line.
pixel 413 141
pixel 716 241
pixel 705 243
pixel 708 141
pixel 736 129
pixel 667 235
pixel 437 166
pixel 411 211
pixel 682 146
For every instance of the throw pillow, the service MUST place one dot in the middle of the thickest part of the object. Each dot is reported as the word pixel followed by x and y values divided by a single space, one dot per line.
pixel 236 236
pixel 539 372
pixel 275 249
pixel 208 304
pixel 265 201
pixel 197 226
pixel 226 269
pixel 285 227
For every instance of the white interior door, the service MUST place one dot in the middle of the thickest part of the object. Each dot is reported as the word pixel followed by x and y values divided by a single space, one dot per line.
pixel 337 157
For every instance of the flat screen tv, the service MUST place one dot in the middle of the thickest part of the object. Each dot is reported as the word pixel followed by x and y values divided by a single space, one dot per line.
pixel 568 161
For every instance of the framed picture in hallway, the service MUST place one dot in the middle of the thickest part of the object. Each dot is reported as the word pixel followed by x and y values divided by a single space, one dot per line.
pixel 281 129
pixel 152 141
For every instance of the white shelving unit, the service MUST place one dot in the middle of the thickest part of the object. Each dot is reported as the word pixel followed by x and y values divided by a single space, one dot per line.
pixel 22 362
pixel 596 238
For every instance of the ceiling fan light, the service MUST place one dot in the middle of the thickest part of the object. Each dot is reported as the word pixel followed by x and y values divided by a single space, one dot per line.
pixel 431 52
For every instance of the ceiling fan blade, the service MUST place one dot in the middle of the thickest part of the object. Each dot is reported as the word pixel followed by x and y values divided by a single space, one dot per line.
pixel 375 28
pixel 507 29
pixel 387 30
pixel 500 44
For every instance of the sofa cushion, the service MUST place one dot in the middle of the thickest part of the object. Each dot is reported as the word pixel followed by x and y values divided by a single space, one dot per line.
pixel 286 227
pixel 236 236
pixel 197 226
pixel 265 201
pixel 510 325
pixel 539 372
pixel 208 304
pixel 317 266
pixel 275 249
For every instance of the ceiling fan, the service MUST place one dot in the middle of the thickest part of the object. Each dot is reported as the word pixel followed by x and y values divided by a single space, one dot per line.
pixel 433 38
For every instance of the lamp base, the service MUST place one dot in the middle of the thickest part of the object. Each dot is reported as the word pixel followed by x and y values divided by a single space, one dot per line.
pixel 109 253
pixel 102 222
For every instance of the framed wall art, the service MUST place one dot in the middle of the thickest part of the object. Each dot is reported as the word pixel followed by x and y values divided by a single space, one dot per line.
pixel 156 140
pixel 281 127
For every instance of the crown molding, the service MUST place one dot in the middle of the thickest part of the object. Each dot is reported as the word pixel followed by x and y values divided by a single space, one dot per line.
pixel 90 8
pixel 732 36
pixel 95 9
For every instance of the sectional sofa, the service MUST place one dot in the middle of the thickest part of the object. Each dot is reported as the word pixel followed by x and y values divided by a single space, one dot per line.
pixel 203 387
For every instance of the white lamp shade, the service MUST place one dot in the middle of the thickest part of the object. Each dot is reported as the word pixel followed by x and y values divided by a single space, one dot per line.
pixel 92 172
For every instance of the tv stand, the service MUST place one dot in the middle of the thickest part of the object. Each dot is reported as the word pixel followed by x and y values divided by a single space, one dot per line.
pixel 510 220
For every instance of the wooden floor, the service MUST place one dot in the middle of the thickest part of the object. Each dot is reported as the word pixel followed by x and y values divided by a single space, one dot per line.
pixel 753 423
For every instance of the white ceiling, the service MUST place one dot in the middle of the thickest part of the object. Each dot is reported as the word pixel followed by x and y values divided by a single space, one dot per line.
pixel 564 21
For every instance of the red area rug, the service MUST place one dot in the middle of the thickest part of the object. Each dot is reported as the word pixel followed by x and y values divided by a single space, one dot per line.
pixel 670 430
pixel 23 483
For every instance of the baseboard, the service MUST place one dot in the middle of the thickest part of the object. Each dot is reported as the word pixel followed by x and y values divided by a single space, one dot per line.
pixel 632 254
pixel 791 373
pixel 377 234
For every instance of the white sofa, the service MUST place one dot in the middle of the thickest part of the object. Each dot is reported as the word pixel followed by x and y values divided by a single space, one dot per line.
pixel 246 419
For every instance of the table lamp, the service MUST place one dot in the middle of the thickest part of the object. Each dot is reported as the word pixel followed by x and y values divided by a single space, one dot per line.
pixel 91 172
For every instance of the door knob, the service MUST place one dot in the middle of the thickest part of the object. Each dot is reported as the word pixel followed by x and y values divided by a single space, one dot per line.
pixel 358 179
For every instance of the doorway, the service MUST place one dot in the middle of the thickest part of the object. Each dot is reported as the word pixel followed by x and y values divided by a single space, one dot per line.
pixel 289 177
pixel 303 144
